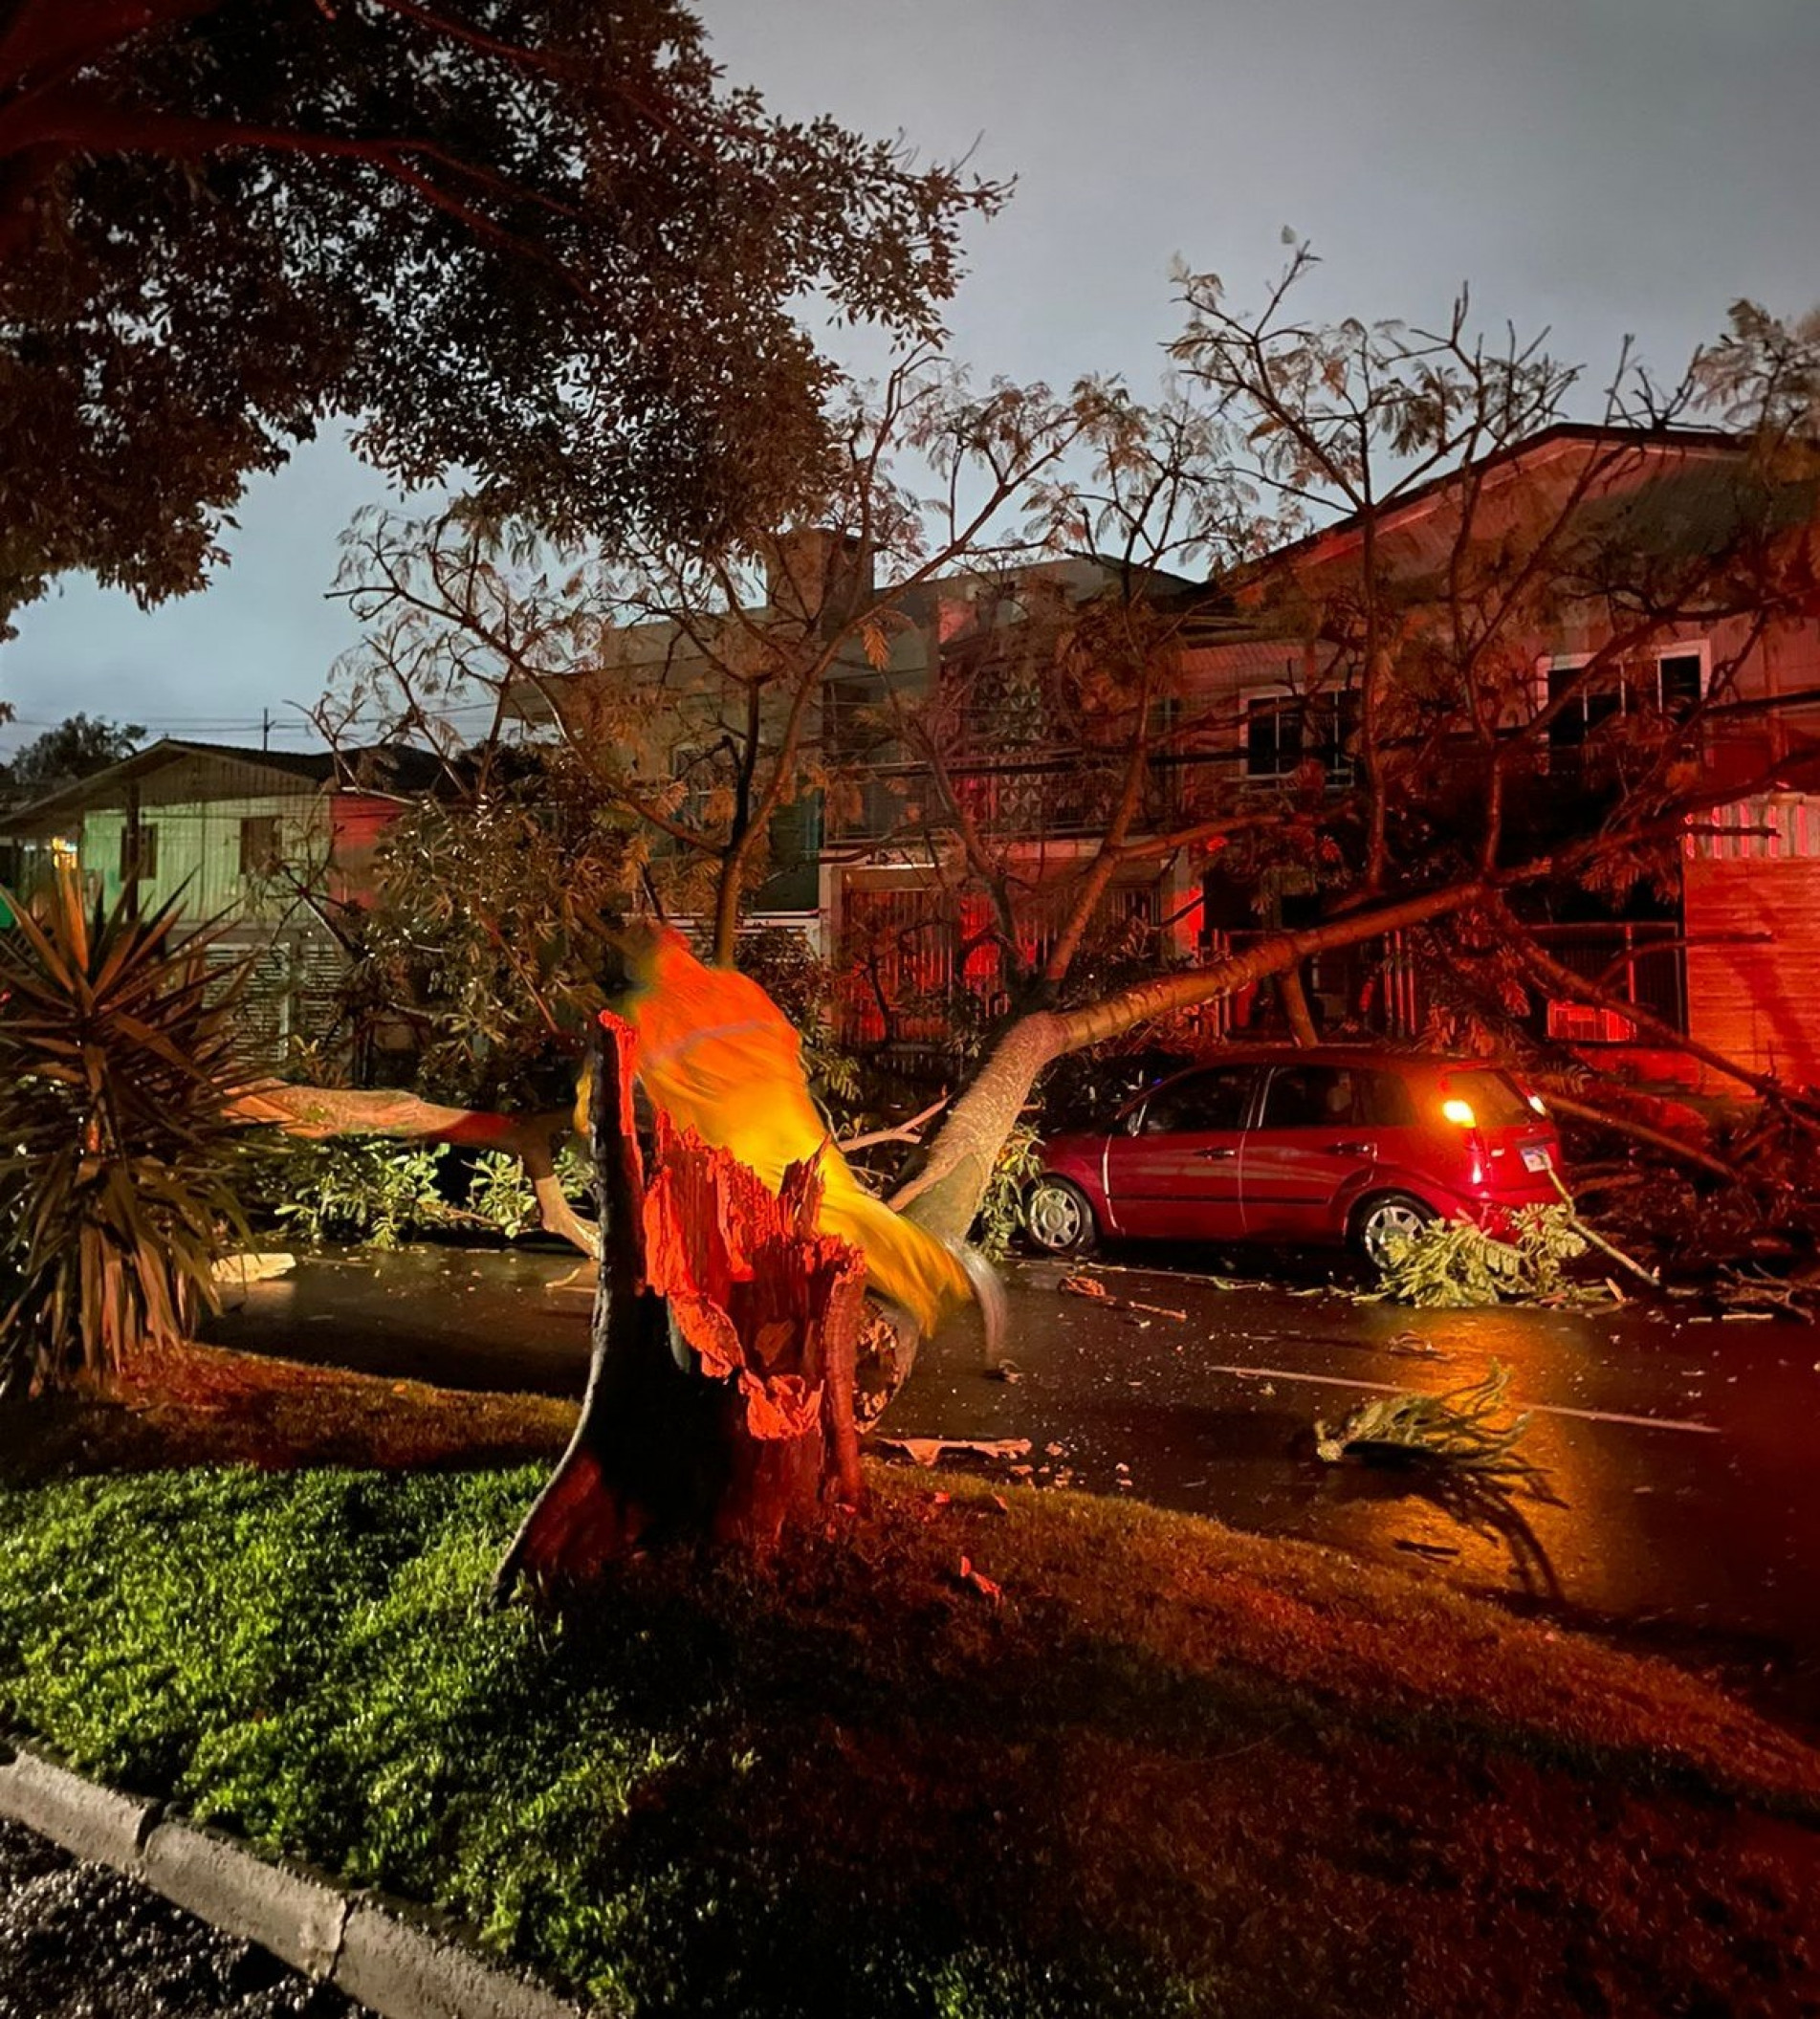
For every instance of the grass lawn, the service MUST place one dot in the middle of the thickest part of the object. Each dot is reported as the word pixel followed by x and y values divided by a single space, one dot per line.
pixel 1173 1769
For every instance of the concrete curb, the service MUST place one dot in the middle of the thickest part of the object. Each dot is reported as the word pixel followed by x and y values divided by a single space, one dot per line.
pixel 387 1955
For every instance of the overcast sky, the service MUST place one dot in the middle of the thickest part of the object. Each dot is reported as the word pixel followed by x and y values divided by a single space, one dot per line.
pixel 1601 167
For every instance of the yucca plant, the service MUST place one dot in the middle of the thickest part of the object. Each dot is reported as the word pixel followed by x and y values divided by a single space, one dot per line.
pixel 115 1146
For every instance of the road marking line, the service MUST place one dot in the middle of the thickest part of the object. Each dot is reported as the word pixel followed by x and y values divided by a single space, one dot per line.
pixel 1391 1388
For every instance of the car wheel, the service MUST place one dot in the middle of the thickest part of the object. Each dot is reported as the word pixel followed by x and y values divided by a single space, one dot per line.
pixel 1057 1218
pixel 1386 1218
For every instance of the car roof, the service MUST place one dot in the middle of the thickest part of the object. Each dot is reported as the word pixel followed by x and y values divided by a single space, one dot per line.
pixel 1377 1056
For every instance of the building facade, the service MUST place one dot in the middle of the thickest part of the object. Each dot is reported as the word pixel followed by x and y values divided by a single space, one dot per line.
pixel 264 845
pixel 1595 623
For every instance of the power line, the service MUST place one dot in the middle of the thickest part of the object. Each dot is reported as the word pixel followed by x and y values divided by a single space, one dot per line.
pixel 266 725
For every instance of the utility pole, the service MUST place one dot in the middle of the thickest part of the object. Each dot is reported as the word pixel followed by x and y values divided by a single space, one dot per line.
pixel 265 729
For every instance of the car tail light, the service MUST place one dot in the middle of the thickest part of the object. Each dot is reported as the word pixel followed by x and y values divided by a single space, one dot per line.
pixel 1460 1114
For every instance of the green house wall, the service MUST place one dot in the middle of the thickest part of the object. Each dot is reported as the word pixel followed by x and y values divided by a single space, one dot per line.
pixel 199 852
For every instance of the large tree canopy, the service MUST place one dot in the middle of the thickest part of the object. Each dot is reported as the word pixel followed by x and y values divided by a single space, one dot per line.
pixel 537 240
pixel 77 747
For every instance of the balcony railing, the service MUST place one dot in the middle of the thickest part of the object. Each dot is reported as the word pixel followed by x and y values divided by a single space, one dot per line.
pixel 1070 792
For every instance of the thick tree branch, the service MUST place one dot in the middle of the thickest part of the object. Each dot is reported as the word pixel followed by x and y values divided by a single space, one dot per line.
pixel 316 1114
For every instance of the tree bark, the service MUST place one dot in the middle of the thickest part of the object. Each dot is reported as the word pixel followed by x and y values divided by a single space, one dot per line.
pixel 1670 1146
pixel 1564 981
pixel 719 1403
pixel 1295 1004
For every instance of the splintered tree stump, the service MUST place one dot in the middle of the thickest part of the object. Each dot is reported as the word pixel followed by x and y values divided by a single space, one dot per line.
pixel 719 1403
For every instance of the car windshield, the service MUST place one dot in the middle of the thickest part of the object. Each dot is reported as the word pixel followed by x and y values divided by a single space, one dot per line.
pixel 1493 1096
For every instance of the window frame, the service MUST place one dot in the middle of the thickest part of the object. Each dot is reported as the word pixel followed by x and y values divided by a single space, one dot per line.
pixel 1550 663
pixel 1137 1116
pixel 139 851
pixel 1341 707
pixel 1379 1090
pixel 273 861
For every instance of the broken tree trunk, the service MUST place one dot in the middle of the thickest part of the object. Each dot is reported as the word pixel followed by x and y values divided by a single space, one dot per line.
pixel 719 1404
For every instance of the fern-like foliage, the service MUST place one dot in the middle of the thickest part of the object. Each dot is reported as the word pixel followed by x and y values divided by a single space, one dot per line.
pixel 1000 1218
pixel 1452 1262
pixel 1456 1431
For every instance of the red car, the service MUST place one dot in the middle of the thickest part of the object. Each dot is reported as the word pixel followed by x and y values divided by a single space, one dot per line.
pixel 1336 1144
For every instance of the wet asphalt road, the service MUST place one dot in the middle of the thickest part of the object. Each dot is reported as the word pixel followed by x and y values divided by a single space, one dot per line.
pixel 1687 1449
pixel 79 1941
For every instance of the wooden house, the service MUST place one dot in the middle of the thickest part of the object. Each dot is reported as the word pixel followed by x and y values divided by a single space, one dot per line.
pixel 1584 538
pixel 268 845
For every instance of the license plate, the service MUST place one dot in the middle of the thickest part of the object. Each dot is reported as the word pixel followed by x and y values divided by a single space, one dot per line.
pixel 1535 1158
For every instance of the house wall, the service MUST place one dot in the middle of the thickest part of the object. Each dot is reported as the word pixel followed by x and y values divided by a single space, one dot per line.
pixel 357 821
pixel 1221 681
pixel 199 852
pixel 1683 499
pixel 197 806
pixel 1751 908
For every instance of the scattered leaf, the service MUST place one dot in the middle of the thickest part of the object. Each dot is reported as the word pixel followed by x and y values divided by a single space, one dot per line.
pixel 979 1582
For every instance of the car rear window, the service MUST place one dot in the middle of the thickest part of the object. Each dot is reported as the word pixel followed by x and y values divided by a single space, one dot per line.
pixel 1336 1096
pixel 1496 1103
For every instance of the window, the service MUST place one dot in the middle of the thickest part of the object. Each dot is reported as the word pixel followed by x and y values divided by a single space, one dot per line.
pixel 1283 732
pixel 853 726
pixel 139 852
pixel 1204 1101
pixel 259 845
pixel 1336 1096
pixel 1667 683
pixel 1680 682
pixel 707 778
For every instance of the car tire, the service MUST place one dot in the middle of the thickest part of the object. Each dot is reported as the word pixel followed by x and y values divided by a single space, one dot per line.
pixel 1384 1215
pixel 1057 1218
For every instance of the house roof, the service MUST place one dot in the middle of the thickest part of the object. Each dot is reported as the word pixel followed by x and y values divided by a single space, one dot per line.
pixel 1714 441
pixel 389 769
pixel 1689 491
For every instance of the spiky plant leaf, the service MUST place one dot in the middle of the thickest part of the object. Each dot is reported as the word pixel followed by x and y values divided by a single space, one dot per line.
pixel 116 1069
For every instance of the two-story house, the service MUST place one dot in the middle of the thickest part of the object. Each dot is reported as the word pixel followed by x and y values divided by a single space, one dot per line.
pixel 1592 623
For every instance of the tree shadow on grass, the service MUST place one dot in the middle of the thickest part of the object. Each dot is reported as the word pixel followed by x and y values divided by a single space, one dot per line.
pixel 206 1406
pixel 1483 1506
pixel 1156 1778
pixel 1058 1819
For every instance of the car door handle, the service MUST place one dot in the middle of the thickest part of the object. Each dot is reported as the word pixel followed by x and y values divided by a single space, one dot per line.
pixel 1352 1149
pixel 1211 1155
